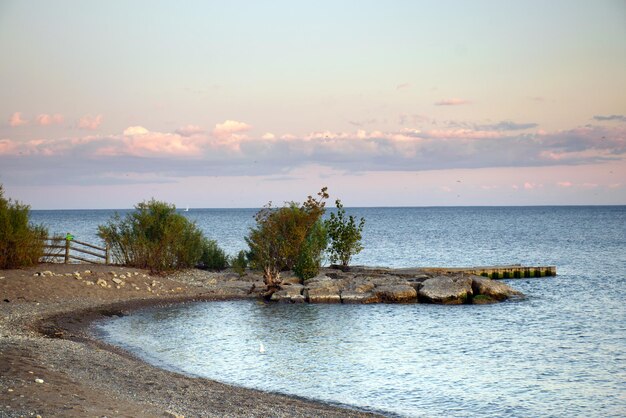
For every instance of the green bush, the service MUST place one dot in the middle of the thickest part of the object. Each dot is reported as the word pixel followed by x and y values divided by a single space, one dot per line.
pixel 213 257
pixel 277 240
pixel 21 244
pixel 240 263
pixel 154 237
pixel 345 235
pixel 311 253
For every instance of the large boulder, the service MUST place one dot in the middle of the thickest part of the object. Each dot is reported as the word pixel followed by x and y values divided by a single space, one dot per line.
pixel 289 294
pixel 492 289
pixel 322 289
pixel 398 293
pixel 353 296
pixel 446 290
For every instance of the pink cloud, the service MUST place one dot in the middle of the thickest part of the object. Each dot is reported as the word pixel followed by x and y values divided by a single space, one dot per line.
pixel 90 122
pixel 229 128
pixel 16 119
pixel 189 130
pixel 451 102
pixel 529 186
pixel 565 184
pixel 44 119
pixel 141 142
pixel 460 134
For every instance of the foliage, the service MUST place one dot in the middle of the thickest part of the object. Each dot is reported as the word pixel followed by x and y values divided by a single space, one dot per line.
pixel 310 257
pixel 21 244
pixel 239 263
pixel 213 257
pixel 154 237
pixel 345 235
pixel 277 240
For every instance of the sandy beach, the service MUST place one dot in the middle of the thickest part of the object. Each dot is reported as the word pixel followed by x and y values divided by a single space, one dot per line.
pixel 51 366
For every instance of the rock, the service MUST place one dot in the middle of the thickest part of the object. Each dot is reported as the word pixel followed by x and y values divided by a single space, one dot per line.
pixel 170 414
pixel 352 296
pixel 89 283
pixel 117 281
pixel 399 293
pixel 289 294
pixel 322 289
pixel 122 276
pixel 446 290
pixel 47 273
pixel 102 282
pixel 38 380
pixel 87 271
pixel 493 289
pixel 292 280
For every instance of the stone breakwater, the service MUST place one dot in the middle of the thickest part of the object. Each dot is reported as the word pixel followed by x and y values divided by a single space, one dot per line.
pixel 363 285
pixel 371 286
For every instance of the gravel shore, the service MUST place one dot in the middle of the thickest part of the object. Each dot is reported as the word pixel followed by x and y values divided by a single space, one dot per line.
pixel 51 366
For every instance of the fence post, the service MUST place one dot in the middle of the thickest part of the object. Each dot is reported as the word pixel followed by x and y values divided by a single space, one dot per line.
pixel 67 251
pixel 106 254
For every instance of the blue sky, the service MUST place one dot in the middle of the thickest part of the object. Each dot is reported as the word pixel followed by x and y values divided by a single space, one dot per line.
pixel 231 104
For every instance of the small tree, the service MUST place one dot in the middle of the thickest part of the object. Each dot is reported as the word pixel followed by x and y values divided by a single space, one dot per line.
pixel 311 253
pixel 345 235
pixel 21 244
pixel 155 237
pixel 280 233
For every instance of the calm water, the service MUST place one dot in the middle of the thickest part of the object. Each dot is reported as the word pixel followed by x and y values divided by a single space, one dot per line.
pixel 560 352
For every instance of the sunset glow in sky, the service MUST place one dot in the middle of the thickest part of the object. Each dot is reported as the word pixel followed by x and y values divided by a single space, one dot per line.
pixel 388 103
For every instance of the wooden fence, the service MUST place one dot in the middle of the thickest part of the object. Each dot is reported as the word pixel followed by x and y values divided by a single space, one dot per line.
pixel 73 250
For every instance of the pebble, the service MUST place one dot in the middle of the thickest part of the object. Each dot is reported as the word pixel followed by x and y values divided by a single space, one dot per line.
pixel 87 271
pixel 38 380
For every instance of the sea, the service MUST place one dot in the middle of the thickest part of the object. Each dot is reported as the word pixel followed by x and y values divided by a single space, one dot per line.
pixel 559 352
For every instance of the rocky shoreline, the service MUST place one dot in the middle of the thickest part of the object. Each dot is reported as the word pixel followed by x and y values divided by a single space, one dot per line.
pixel 52 366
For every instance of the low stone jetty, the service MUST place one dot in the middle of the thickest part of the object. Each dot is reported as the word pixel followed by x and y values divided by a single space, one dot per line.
pixel 377 285
pixel 514 271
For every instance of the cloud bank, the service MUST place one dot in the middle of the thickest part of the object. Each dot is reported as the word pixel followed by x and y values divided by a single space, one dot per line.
pixel 231 150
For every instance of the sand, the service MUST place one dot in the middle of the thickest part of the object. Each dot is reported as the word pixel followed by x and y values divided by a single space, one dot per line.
pixel 51 366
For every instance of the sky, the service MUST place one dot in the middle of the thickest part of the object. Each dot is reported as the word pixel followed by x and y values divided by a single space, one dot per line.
pixel 104 104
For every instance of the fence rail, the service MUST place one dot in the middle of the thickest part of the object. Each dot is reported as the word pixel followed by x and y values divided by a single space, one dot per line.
pixel 71 249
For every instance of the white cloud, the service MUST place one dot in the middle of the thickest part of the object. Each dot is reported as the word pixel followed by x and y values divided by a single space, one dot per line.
pixel 229 128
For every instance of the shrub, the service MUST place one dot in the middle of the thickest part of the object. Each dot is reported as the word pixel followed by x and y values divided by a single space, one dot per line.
pixel 213 257
pixel 240 263
pixel 21 244
pixel 311 253
pixel 277 240
pixel 345 235
pixel 154 237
